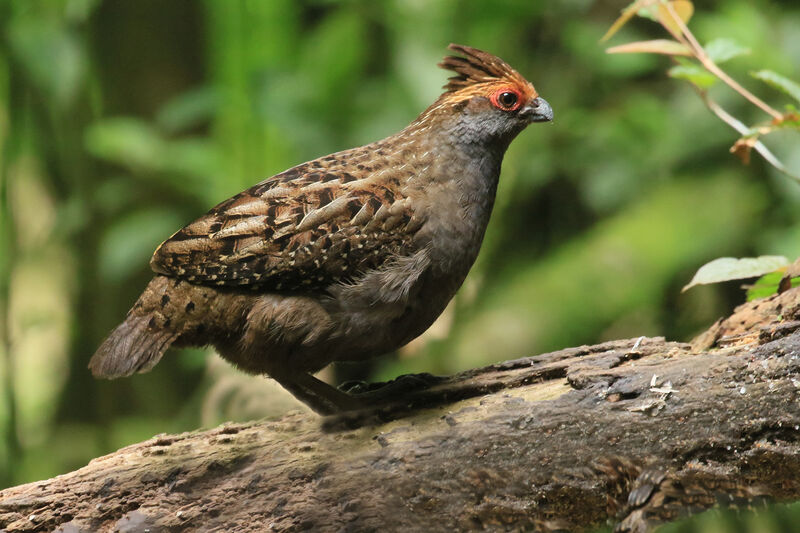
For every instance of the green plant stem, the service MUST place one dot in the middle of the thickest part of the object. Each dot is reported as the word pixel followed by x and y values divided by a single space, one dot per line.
pixel 742 128
pixel 712 67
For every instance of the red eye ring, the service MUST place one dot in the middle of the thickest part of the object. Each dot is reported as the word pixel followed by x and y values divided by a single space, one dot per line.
pixel 506 99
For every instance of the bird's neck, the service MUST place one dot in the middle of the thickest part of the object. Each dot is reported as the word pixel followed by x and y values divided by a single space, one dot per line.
pixel 455 191
pixel 454 153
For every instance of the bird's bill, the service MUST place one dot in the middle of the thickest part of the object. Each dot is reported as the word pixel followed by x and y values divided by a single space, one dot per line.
pixel 538 110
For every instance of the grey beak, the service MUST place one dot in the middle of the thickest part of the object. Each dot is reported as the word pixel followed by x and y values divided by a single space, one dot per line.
pixel 538 110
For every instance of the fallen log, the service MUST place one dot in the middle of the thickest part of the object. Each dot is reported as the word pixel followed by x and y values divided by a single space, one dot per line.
pixel 633 431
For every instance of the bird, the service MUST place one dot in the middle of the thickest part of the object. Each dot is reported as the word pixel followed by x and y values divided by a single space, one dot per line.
pixel 342 258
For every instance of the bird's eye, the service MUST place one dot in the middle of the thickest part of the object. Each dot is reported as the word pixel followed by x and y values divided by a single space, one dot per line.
pixel 505 99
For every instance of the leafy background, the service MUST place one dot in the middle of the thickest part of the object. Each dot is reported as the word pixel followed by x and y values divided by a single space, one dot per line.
pixel 122 120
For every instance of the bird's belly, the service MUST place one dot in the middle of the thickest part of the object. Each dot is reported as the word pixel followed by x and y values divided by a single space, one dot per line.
pixel 376 315
pixel 376 330
pixel 384 335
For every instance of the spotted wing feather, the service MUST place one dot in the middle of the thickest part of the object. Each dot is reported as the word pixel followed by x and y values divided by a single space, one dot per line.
pixel 300 230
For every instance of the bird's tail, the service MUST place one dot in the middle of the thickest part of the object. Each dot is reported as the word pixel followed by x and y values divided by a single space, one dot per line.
pixel 134 346
pixel 138 343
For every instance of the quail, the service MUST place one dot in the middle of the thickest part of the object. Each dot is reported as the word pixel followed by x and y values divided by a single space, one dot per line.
pixel 343 258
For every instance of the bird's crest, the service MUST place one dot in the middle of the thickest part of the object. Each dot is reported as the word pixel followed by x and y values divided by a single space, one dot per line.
pixel 479 68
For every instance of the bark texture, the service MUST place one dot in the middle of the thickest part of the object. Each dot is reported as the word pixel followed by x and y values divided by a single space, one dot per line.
pixel 634 431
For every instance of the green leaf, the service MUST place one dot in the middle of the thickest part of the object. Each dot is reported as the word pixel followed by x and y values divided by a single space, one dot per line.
pixel 127 244
pixel 693 73
pixel 730 268
pixel 781 83
pixel 126 141
pixel 765 286
pixel 192 156
pixel 656 46
pixel 722 50
pixel 188 110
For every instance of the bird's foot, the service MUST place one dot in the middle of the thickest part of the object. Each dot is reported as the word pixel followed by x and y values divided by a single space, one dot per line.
pixel 352 396
pixel 390 390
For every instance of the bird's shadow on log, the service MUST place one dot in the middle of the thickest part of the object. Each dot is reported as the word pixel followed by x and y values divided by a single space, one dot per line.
pixel 579 365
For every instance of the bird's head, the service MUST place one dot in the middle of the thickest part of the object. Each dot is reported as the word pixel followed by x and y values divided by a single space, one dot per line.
pixel 487 101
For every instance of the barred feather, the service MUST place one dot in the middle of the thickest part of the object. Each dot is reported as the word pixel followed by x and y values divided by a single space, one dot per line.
pixel 320 222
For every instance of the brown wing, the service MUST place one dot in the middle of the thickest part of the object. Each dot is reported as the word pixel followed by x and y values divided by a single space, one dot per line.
pixel 300 230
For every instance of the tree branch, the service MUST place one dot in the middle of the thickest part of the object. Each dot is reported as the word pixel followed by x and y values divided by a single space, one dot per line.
pixel 635 431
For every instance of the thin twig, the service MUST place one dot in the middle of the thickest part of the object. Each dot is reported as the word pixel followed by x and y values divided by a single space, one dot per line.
pixel 713 68
pixel 743 129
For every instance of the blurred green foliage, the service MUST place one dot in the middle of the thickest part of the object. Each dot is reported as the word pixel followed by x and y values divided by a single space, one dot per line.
pixel 122 120
pixel 773 519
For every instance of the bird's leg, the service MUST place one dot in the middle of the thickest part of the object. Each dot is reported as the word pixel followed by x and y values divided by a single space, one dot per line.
pixel 318 395
pixel 327 400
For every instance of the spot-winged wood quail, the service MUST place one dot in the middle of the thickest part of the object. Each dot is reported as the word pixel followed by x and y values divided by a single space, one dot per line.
pixel 342 258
